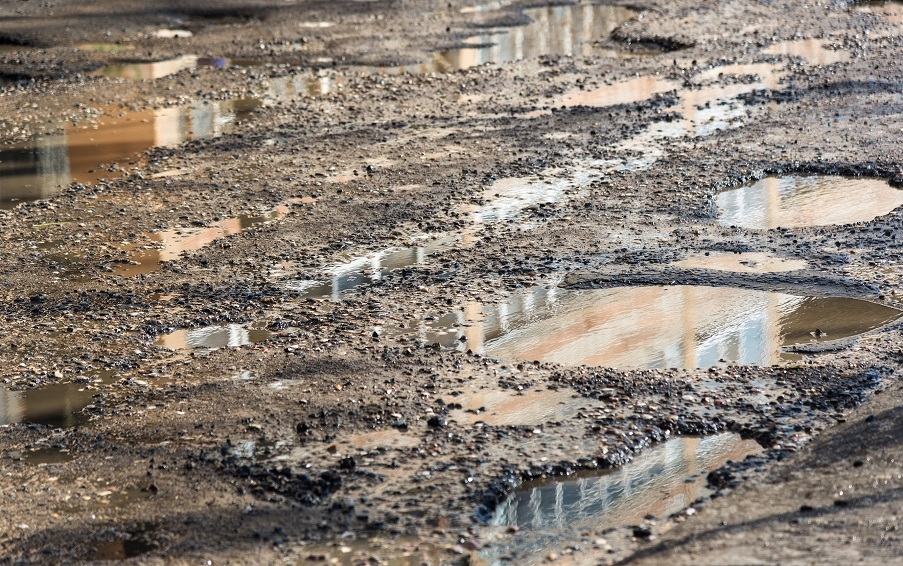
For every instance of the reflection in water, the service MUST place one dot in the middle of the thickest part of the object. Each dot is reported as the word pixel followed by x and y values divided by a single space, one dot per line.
pixel 625 92
pixel 41 168
pixel 746 262
pixel 554 30
pixel 644 327
pixel 791 202
pixel 175 242
pixel 812 50
pixel 53 405
pixel 158 69
pixel 507 407
pixel 227 336
pixel 661 481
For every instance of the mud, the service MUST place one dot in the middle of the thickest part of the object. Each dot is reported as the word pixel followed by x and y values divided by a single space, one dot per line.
pixel 300 282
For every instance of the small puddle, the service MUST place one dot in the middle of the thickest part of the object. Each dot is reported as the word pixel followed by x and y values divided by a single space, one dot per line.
pixel 648 327
pixel 47 456
pixel 661 481
pixel 58 406
pixel 554 30
pixel 746 262
pixel 225 336
pixel 128 545
pixel 177 241
pixel 107 146
pixel 793 202
pixel 172 33
pixel 812 50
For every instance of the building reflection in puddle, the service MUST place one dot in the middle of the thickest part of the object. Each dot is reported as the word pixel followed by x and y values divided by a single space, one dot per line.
pixel 554 30
pixel 793 202
pixel 660 481
pixel 40 169
pixel 226 336
pixel 647 327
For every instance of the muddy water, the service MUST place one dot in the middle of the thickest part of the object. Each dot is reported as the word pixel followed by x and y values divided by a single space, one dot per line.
pixel 87 152
pixel 647 327
pixel 177 241
pixel 225 336
pixel 747 262
pixel 661 481
pixel 792 202
pixel 506 407
pixel 554 30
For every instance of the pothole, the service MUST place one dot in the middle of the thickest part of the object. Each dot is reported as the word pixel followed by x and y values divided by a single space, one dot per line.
pixel 647 327
pixel 660 482
pixel 794 202
pixel 746 262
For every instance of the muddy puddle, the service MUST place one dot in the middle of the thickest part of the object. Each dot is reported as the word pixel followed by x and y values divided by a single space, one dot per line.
pixel 127 545
pixel 512 407
pixel 108 146
pixel 646 327
pixel 224 336
pixel 746 262
pixel 793 202
pixel 661 481
pixel 43 456
pixel 171 244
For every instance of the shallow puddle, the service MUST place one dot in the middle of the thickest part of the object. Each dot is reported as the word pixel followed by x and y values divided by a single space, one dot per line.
pixel 793 202
pixel 177 241
pixel 554 30
pixel 58 406
pixel 812 50
pixel 648 327
pixel 86 152
pixel 225 336
pixel 661 481
pixel 746 262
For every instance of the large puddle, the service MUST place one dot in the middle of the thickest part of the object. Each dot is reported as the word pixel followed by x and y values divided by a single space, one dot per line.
pixel 647 327
pixel 108 146
pixel 661 481
pixel 793 202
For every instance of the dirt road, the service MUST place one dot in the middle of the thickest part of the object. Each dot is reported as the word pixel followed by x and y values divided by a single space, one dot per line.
pixel 401 282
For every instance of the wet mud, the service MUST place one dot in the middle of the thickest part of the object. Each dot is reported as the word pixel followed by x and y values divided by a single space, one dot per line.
pixel 455 284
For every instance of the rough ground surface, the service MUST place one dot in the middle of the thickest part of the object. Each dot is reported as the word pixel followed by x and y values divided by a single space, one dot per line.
pixel 159 464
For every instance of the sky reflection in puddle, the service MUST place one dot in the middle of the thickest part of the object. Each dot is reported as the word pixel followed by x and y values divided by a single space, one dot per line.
pixel 793 202
pixel 647 327
pixel 661 481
